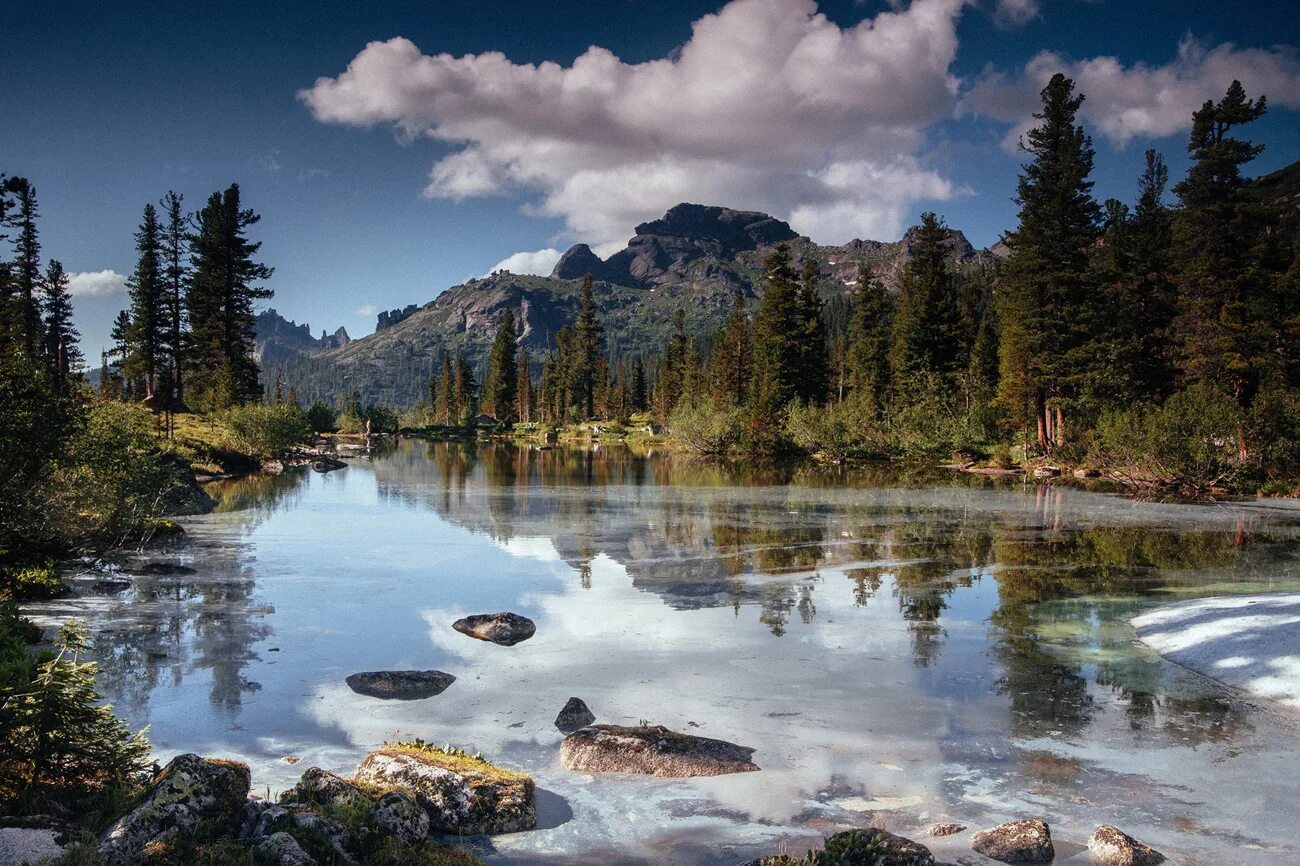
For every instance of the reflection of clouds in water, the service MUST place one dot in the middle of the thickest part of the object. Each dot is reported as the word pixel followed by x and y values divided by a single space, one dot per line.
pixel 831 703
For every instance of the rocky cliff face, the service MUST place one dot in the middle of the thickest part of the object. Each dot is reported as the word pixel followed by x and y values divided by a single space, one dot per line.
pixel 692 259
pixel 277 339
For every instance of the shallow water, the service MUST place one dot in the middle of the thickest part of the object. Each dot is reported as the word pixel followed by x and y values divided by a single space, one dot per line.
pixel 897 650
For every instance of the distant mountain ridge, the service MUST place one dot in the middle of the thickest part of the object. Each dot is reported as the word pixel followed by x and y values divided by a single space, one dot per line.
pixel 276 339
pixel 692 258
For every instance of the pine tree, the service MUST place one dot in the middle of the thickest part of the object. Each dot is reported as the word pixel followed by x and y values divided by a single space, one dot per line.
pixel 638 396
pixel 524 389
pixel 1227 319
pixel 61 336
pixel 587 351
pixel 810 386
pixel 444 402
pixel 220 301
pixel 502 377
pixel 868 341
pixel 731 357
pixel 465 389
pixel 671 382
pixel 27 267
pixel 146 342
pixel 175 278
pixel 121 336
pixel 1045 283
pixel 10 333
pixel 776 353
pixel 926 333
pixel 1150 302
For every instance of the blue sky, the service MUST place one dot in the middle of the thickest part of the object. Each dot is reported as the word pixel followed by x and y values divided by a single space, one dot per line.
pixel 420 166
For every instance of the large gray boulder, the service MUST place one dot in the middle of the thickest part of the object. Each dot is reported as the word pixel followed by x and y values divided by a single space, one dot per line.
pixel 1027 841
pixel 283 850
pixel 1111 846
pixel 652 750
pixel 505 628
pixel 400 685
pixel 462 794
pixel 323 788
pixel 190 790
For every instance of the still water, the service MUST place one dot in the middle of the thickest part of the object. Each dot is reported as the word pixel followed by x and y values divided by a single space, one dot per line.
pixel 898 650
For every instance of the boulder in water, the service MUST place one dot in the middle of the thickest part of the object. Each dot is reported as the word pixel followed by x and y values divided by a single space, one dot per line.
pixel 652 750
pixel 575 715
pixel 1111 846
pixel 506 629
pixel 1016 842
pixel 400 685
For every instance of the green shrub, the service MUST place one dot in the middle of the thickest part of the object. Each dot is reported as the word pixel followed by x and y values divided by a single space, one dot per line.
pixel 704 427
pixel 58 740
pixel 928 418
pixel 31 582
pixel 267 431
pixel 836 431
pixel 321 418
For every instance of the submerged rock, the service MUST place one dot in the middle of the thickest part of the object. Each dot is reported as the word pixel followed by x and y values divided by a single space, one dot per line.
pixel 871 847
pixel 163 569
pixel 461 794
pixel 1111 846
pixel 190 790
pixel 327 464
pixel 575 715
pixel 1027 841
pixel 506 629
pixel 399 815
pixel 946 828
pixel 652 750
pixel 400 685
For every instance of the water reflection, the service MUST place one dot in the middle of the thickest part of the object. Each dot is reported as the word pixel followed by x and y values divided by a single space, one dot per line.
pixel 906 645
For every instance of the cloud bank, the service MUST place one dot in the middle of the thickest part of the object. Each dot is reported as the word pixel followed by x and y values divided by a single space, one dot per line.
pixel 539 263
pixel 1140 101
pixel 769 105
pixel 92 284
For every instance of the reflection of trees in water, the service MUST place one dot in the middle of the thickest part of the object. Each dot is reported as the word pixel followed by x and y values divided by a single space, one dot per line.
pixel 705 535
pixel 183 624
pixel 258 495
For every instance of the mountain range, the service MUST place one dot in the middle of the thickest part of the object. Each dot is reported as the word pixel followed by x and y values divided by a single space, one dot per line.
pixel 692 259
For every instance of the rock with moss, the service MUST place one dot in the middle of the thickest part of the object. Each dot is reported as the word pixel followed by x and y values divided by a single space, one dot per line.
pixel 1028 841
pixel 1111 846
pixel 283 850
pixel 189 792
pixel 652 750
pixel 324 788
pixel 461 793
pixel 398 815
pixel 308 826
pixel 872 847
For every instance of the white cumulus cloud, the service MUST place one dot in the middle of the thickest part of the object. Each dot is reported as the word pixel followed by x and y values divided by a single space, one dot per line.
pixel 1141 100
pixel 89 284
pixel 538 263
pixel 1015 13
pixel 769 105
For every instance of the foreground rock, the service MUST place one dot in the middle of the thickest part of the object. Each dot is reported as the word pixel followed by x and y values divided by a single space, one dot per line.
pixel 283 850
pixel 946 828
pixel 32 840
pixel 506 629
pixel 323 788
pixel 400 685
pixel 1111 846
pixel 189 791
pixel 871 847
pixel 652 750
pixel 461 794
pixel 575 715
pixel 399 815
pixel 1016 842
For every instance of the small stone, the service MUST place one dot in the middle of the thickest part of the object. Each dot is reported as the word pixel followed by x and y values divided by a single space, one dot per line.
pixel 946 828
pixel 575 715
pixel 1047 472
pixel 400 685
pixel 652 750
pixel 1087 473
pixel 1111 846
pixel 1027 841
pixel 505 629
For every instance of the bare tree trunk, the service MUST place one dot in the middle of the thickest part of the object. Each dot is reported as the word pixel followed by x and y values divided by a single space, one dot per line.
pixel 1058 429
pixel 1040 413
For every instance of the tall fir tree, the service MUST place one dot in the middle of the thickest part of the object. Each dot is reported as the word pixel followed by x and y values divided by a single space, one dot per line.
pixel 27 267
pixel 524 387
pixel 146 344
pixel 499 386
pixel 465 389
pixel 1228 319
pixel 223 289
pixel 445 410
pixel 61 336
pixel 671 383
pixel 589 333
pixel 868 341
pixel 926 334
pixel 731 356
pixel 814 363
pixel 777 355
pixel 1045 279
pixel 638 396
pixel 176 276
